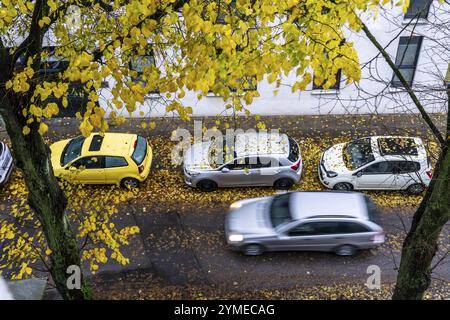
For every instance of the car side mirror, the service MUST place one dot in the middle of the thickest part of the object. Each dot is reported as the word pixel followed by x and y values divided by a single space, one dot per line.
pixel 225 170
pixel 359 174
pixel 71 168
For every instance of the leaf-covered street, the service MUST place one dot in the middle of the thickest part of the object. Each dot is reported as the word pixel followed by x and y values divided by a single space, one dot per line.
pixel 180 250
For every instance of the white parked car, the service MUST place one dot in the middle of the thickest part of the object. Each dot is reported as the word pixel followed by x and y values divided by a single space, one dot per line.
pixel 6 163
pixel 377 163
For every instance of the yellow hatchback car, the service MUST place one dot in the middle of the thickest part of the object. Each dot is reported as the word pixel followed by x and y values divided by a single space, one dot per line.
pixel 114 158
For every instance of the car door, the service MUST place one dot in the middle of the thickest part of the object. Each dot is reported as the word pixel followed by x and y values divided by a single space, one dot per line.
pixel 353 233
pixel 236 173
pixel 314 236
pixel 265 171
pixel 406 173
pixel 88 169
pixel 116 168
pixel 378 175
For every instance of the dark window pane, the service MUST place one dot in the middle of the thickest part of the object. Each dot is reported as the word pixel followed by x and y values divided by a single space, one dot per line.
pixel 351 227
pixel 418 9
pixel 336 86
pixel 88 163
pixel 406 58
pixel 140 150
pixel 384 167
pixel 315 228
pixel 402 167
pixel 114 162
pixel 96 143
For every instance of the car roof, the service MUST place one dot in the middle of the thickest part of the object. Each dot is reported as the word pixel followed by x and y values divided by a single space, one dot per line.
pixel 398 147
pixel 325 204
pixel 111 144
pixel 261 143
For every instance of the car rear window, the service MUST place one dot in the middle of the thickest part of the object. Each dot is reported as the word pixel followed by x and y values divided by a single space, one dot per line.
pixel 72 150
pixel 294 152
pixel 140 150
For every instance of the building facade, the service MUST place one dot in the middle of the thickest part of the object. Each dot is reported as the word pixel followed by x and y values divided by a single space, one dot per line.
pixel 415 40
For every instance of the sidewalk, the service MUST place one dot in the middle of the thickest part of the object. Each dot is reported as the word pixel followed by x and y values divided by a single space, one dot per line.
pixel 351 125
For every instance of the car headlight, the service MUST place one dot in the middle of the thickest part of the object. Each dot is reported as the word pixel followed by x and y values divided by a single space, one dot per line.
pixel 235 237
pixel 331 174
pixel 191 173
pixel 235 205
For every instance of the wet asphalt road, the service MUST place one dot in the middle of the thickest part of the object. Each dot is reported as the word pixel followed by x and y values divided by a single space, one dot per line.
pixel 182 248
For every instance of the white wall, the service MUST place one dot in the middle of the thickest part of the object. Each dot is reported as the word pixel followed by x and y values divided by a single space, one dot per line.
pixel 368 96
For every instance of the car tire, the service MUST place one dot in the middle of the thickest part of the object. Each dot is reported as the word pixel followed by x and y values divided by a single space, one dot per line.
pixel 283 184
pixel 207 185
pixel 345 250
pixel 253 249
pixel 129 183
pixel 343 186
pixel 415 189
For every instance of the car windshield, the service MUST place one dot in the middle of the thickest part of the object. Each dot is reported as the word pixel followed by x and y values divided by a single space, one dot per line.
pixel 358 153
pixel 72 150
pixel 140 150
pixel 279 210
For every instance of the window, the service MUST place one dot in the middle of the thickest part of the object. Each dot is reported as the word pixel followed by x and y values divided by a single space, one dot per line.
pixel 90 162
pixel 266 162
pixel 96 143
pixel 72 150
pixel 294 152
pixel 336 86
pixel 383 167
pixel 114 162
pixel 406 59
pixel 351 227
pixel 402 167
pixel 358 153
pixel 397 146
pixel 314 229
pixel 418 9
pixel 279 210
pixel 140 150
pixel 138 64
pixel 242 164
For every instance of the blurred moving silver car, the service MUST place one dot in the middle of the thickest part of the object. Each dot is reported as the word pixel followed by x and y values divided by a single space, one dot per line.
pixel 245 159
pixel 340 222
pixel 6 163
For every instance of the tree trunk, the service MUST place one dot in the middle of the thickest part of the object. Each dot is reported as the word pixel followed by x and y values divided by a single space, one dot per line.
pixel 46 198
pixel 421 243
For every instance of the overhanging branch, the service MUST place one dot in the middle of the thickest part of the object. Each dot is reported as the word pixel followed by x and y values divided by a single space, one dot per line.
pixel 406 85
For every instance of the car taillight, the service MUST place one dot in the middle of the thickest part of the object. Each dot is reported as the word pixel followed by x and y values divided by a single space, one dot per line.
pixel 297 165
pixel 141 169
pixel 378 238
pixel 430 174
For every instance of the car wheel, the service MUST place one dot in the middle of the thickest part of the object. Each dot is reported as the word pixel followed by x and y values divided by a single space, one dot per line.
pixel 283 184
pixel 207 185
pixel 345 250
pixel 129 183
pixel 415 189
pixel 253 249
pixel 343 186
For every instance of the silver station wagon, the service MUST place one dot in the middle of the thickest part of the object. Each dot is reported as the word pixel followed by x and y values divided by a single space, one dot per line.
pixel 340 222
pixel 245 159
